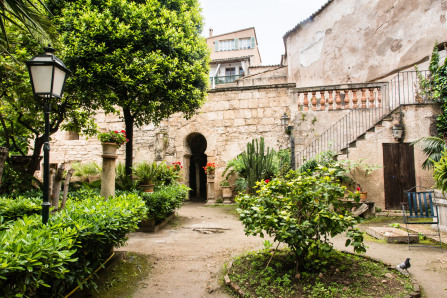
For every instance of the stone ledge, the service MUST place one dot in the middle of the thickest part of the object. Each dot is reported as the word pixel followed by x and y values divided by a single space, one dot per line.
pixel 239 88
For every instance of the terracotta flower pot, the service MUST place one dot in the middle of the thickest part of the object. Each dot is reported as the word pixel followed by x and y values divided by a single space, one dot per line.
pixel 148 187
pixel 363 196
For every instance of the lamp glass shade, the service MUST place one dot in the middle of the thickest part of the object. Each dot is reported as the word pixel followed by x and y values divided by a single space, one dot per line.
pixel 48 75
pixel 285 120
pixel 398 131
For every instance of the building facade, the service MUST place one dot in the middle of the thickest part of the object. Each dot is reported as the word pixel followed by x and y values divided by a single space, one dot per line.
pixel 232 54
pixel 346 79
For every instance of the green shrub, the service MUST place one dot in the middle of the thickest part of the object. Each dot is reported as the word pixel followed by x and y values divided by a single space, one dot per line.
pixel 146 172
pixel 123 181
pixel 87 171
pixel 164 201
pixel 440 173
pixel 14 208
pixel 301 210
pixel 64 252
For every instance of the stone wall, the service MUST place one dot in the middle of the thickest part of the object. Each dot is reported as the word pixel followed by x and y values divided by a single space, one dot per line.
pixel 363 40
pixel 229 119
pixel 272 75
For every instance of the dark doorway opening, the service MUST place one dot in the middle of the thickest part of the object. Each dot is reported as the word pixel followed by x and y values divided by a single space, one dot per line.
pixel 197 176
pixel 398 172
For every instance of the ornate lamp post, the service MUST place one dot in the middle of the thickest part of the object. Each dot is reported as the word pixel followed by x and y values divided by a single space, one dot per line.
pixel 48 75
pixel 288 129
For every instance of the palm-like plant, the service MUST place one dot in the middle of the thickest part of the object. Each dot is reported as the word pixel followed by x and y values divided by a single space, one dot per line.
pixel 26 14
pixel 432 148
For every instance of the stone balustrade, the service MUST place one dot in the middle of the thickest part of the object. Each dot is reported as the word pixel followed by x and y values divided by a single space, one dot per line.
pixel 338 97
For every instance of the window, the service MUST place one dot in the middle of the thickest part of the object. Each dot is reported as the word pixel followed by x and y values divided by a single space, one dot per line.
pixel 245 43
pixel 226 45
pixel 241 71
pixel 230 71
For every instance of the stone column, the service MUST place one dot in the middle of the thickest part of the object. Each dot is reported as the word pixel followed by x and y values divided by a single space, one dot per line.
pixel 210 189
pixel 108 169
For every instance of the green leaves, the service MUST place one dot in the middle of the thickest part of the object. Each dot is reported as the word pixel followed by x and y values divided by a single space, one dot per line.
pixel 67 249
pixel 301 210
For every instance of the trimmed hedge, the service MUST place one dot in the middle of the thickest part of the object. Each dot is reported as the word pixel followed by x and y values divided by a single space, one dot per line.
pixel 37 259
pixel 18 207
pixel 164 201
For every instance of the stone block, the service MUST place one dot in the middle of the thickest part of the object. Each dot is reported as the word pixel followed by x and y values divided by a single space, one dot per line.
pixel 391 235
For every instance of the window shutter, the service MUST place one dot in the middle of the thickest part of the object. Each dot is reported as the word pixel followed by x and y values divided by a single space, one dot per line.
pixel 216 46
pixel 253 42
pixel 236 43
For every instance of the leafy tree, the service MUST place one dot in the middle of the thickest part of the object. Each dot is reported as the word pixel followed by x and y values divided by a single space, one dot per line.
pixel 21 114
pixel 146 57
pixel 301 210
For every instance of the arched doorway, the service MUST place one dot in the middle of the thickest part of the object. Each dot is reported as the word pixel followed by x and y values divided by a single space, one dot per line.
pixel 197 176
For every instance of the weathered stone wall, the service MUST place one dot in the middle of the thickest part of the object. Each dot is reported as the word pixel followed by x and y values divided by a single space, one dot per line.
pixel 229 119
pixel 277 75
pixel 363 40
pixel 417 119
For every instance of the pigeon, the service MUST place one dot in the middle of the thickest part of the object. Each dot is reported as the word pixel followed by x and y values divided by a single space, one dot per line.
pixel 405 265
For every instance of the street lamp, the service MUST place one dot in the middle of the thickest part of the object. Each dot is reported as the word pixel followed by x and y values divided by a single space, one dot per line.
pixel 288 129
pixel 48 75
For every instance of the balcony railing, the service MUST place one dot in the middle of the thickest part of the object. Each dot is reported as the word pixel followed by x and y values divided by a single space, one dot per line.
pixel 223 80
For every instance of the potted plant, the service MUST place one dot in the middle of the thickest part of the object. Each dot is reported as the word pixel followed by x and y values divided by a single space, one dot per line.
pixel 356 170
pixel 112 140
pixel 146 175
pixel 227 191
pixel 210 168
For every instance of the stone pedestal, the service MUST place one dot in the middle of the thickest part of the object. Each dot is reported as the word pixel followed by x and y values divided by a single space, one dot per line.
pixel 441 202
pixel 108 169
pixel 227 194
pixel 210 193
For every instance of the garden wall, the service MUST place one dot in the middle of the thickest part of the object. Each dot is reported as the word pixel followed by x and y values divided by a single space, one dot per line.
pixel 229 119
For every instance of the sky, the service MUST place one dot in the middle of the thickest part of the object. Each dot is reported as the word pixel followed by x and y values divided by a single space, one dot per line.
pixel 271 19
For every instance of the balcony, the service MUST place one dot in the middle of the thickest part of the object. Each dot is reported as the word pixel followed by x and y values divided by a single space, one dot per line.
pixel 223 80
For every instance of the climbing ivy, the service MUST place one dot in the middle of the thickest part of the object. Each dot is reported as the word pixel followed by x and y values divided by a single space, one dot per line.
pixel 434 87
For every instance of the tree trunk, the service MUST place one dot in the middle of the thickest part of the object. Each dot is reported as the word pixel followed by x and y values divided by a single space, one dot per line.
pixel 34 164
pixel 129 120
pixel 3 156
pixel 57 186
pixel 66 184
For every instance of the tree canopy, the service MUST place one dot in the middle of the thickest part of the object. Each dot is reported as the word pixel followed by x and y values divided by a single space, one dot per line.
pixel 21 114
pixel 147 57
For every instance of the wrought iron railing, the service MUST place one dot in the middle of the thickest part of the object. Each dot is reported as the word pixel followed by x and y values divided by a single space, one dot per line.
pixel 223 80
pixel 367 105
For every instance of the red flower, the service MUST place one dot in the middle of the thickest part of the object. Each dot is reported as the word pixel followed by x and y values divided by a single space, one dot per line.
pixel 359 189
pixel 123 131
pixel 116 131
pixel 127 140
pixel 267 181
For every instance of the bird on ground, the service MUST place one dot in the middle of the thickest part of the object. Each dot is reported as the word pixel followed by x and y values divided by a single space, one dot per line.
pixel 405 265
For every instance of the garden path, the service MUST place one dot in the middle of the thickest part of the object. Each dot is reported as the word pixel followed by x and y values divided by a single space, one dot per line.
pixel 188 255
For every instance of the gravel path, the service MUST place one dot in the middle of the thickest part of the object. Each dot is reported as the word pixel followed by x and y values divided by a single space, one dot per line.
pixel 188 256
